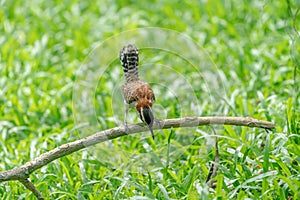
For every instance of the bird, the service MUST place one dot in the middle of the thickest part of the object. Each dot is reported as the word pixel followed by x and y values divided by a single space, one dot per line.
pixel 136 92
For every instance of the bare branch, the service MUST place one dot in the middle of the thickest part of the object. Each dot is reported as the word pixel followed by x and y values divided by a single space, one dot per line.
pixel 22 173
pixel 27 183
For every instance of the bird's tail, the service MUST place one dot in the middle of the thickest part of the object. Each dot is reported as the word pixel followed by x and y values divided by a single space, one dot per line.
pixel 129 57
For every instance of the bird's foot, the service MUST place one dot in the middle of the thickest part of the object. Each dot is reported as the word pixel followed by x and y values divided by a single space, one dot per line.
pixel 126 128
pixel 159 122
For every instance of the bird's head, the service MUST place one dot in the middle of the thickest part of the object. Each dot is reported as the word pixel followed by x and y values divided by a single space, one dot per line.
pixel 144 109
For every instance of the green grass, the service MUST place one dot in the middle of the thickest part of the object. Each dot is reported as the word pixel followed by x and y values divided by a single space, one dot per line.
pixel 252 70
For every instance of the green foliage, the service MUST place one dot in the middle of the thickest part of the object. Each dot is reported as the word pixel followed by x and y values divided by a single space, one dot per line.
pixel 254 47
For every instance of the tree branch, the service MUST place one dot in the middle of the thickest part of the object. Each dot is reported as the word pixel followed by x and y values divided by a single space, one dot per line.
pixel 22 173
pixel 28 184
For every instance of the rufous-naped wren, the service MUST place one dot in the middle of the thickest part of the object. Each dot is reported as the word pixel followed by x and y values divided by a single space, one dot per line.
pixel 136 93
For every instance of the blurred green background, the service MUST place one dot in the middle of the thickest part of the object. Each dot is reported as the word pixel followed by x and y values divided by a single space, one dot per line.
pixel 253 48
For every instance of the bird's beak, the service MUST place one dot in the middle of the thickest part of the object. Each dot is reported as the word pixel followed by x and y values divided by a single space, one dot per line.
pixel 150 128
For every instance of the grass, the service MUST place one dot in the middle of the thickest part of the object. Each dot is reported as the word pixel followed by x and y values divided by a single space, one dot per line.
pixel 252 71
